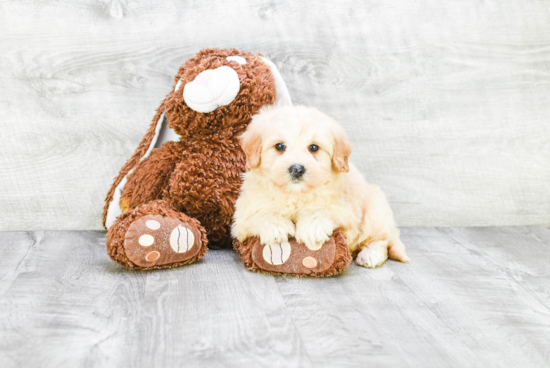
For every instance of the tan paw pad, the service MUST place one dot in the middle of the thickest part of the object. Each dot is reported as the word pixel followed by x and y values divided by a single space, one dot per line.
pixel 309 262
pixel 153 256
pixel 294 257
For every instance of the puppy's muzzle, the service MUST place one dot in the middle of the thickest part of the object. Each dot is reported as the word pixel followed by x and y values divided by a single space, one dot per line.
pixel 296 171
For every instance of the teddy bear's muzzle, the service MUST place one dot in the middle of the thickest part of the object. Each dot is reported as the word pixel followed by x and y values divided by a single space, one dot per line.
pixel 211 89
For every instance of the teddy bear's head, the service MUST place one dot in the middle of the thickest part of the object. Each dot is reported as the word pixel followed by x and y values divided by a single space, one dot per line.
pixel 217 91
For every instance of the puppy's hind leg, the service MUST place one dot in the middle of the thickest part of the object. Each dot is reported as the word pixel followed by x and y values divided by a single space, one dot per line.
pixel 376 253
pixel 396 251
pixel 373 255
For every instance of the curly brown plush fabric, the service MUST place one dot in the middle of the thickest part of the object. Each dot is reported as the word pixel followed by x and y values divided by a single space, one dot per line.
pixel 199 176
pixel 341 260
pixel 117 233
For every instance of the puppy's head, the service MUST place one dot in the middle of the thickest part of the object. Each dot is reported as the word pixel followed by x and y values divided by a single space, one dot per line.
pixel 297 148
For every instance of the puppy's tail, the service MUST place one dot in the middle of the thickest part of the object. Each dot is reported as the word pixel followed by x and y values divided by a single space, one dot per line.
pixel 396 251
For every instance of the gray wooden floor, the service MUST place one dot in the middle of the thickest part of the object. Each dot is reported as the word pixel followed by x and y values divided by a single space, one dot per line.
pixel 470 297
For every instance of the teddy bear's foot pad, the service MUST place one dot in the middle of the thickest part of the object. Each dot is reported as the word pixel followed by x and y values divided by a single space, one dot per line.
pixel 155 240
pixel 294 257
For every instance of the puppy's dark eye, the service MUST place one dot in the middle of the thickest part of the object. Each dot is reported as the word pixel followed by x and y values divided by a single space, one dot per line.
pixel 280 147
pixel 314 148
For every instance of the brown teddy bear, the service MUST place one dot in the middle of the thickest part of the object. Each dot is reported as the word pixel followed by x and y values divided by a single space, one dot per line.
pixel 176 194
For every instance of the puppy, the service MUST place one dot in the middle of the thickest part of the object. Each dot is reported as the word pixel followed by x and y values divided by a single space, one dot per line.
pixel 299 183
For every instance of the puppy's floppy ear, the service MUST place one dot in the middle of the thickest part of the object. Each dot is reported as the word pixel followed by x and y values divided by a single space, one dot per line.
pixel 342 148
pixel 251 143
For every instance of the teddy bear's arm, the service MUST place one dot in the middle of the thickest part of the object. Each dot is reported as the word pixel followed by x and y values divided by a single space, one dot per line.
pixel 151 176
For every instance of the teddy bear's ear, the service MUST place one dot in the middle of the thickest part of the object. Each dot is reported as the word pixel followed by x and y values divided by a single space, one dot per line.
pixel 251 142
pixel 283 102
pixel 283 97
pixel 158 128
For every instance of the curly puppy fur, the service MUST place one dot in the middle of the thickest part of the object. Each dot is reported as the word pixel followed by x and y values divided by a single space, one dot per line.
pixel 200 175
pixel 327 193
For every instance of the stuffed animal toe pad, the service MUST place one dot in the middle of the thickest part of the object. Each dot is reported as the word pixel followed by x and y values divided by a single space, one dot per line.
pixel 156 240
pixel 294 258
pixel 155 236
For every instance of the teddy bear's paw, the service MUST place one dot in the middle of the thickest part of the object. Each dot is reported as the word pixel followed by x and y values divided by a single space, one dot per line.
pixel 294 257
pixel 156 240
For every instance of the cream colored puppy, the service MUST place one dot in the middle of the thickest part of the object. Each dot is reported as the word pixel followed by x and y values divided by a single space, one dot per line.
pixel 300 184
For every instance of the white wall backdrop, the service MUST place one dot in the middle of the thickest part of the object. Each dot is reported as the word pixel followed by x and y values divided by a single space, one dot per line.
pixel 447 102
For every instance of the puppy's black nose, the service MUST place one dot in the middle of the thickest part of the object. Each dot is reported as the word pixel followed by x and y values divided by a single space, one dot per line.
pixel 296 171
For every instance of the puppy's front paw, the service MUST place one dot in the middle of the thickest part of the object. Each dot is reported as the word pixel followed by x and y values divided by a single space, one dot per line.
pixel 314 232
pixel 373 256
pixel 275 233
